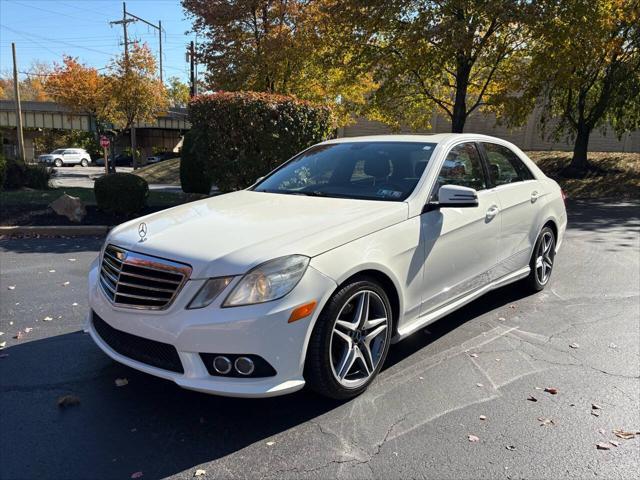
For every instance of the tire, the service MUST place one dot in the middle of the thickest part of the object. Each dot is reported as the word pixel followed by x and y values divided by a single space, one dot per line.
pixel 84 162
pixel 542 261
pixel 342 365
pixel 58 163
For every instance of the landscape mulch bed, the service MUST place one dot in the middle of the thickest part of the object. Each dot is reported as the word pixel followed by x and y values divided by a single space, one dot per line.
pixel 33 215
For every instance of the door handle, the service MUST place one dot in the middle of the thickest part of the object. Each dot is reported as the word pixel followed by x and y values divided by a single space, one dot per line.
pixel 492 212
pixel 534 196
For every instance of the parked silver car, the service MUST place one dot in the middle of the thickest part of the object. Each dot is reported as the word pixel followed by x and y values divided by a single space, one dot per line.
pixel 66 156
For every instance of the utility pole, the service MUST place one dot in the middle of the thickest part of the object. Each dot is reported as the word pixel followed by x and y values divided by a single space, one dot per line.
pixel 160 42
pixel 192 73
pixel 16 86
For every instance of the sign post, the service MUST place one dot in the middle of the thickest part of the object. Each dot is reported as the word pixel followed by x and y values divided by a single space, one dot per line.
pixel 104 143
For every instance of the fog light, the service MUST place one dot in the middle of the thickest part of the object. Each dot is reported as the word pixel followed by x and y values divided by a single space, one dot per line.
pixel 244 366
pixel 222 365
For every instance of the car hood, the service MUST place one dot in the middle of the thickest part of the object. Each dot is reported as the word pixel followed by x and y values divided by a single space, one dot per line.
pixel 229 234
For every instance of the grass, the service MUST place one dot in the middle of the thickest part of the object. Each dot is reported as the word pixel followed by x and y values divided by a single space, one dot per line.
pixel 621 180
pixel 45 197
pixel 166 172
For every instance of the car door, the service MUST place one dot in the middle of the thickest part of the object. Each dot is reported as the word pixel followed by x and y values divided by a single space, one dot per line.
pixel 518 191
pixel 67 156
pixel 461 244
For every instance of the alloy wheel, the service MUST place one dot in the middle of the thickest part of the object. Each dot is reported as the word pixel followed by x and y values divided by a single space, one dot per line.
pixel 358 339
pixel 544 257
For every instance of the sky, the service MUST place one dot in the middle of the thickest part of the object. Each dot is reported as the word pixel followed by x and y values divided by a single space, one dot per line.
pixel 44 30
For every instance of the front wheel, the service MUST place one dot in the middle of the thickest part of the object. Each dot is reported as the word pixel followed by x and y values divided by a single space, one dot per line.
pixel 58 163
pixel 84 162
pixel 544 254
pixel 350 340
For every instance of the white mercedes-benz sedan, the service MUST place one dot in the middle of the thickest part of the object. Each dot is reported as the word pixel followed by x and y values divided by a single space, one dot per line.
pixel 309 276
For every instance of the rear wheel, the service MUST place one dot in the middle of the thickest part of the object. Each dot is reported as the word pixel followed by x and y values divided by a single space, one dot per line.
pixel 350 340
pixel 84 162
pixel 58 162
pixel 541 263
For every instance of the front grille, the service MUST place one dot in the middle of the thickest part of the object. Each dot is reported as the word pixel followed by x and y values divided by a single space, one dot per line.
pixel 134 280
pixel 156 354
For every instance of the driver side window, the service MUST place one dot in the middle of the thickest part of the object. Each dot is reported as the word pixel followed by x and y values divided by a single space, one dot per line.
pixel 462 167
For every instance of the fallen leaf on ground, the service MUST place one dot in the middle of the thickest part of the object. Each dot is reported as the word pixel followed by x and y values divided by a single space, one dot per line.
pixel 601 431
pixel 137 475
pixel 531 398
pixel 474 355
pixel 544 421
pixel 502 319
pixel 18 335
pixel 512 306
pixel 603 446
pixel 72 259
pixel 510 447
pixel 473 438
pixel 270 443
pixel 421 378
pixel 121 382
pixel 624 435
pixel 497 359
pixel 479 385
pixel 595 406
pixel 2 345
pixel 595 413
pixel 47 319
pixel 483 417
pixel 574 345
pixel 28 329
pixel 74 304
pixel 551 390
pixel 11 287
pixel 1 333
pixel 200 473
pixel 65 284
pixel 614 443
pixel 68 401
pixel 52 271
pixel 613 345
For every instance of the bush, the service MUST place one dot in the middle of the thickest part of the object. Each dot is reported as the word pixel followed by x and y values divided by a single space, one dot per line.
pixel 3 170
pixel 194 176
pixel 15 174
pixel 121 193
pixel 240 136
pixel 37 176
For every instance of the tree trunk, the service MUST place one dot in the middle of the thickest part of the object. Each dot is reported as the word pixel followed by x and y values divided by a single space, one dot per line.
pixel 134 157
pixel 579 163
pixel 458 119
pixel 459 116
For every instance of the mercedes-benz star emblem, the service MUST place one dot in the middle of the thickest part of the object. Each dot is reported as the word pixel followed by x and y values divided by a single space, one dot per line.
pixel 142 231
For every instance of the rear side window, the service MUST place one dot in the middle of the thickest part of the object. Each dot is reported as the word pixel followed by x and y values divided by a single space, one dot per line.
pixel 504 165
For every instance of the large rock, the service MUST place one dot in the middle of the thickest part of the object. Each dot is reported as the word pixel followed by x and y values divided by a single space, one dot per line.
pixel 70 207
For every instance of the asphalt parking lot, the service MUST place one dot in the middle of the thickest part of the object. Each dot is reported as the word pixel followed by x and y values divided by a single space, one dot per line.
pixel 581 336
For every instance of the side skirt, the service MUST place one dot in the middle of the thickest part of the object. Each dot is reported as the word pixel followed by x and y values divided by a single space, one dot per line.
pixel 430 317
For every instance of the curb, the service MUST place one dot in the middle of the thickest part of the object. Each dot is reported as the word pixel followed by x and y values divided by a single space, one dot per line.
pixel 55 230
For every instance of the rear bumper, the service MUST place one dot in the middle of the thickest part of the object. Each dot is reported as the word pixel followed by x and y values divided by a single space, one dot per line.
pixel 257 329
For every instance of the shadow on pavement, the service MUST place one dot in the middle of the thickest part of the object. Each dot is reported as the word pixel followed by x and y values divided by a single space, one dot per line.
pixel 150 425
pixel 52 245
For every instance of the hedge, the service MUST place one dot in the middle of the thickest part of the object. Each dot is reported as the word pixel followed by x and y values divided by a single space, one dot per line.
pixel 240 136
pixel 121 193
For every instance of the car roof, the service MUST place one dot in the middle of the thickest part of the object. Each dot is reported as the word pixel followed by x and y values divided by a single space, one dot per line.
pixel 434 138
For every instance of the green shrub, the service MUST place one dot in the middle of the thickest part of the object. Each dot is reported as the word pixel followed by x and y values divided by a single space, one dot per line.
pixel 121 193
pixel 3 170
pixel 194 177
pixel 15 174
pixel 240 136
pixel 37 176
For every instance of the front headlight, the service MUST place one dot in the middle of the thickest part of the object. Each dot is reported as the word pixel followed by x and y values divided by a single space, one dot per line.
pixel 209 292
pixel 270 281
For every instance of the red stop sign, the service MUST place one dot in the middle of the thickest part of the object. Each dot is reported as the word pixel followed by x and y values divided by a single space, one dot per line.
pixel 104 142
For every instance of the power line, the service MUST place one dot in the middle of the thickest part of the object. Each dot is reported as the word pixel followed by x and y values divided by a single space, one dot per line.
pixel 53 40
pixel 49 11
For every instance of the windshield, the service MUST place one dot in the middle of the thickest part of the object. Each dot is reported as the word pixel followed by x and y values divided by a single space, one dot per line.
pixel 60 150
pixel 362 170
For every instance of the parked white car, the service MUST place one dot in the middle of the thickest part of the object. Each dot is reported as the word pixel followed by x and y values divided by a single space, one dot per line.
pixel 66 156
pixel 309 276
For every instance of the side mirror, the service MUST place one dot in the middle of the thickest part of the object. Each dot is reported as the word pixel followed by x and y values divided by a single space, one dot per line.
pixel 454 196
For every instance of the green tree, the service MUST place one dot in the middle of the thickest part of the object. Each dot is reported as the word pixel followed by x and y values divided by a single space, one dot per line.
pixel 277 46
pixel 584 71
pixel 178 92
pixel 451 56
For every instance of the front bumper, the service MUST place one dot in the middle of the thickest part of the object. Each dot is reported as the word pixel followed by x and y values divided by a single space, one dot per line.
pixel 255 329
